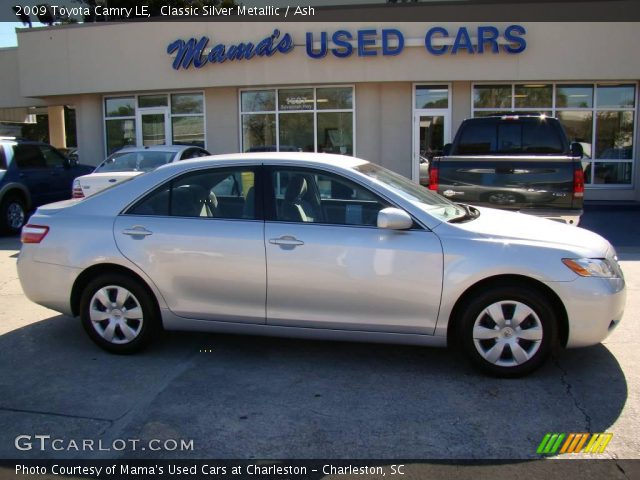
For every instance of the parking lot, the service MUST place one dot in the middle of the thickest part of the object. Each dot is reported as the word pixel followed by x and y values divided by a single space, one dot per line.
pixel 250 397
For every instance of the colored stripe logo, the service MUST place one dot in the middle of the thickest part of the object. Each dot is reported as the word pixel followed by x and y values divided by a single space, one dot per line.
pixel 553 443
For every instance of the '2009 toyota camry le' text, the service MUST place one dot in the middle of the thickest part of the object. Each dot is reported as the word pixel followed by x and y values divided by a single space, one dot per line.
pixel 318 246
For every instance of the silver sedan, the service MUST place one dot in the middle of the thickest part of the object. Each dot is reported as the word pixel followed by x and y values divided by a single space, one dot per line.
pixel 318 246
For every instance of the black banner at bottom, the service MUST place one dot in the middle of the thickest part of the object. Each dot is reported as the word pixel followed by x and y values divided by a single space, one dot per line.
pixel 547 469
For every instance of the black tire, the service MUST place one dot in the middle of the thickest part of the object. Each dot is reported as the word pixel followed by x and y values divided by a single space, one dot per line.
pixel 145 328
pixel 542 322
pixel 13 214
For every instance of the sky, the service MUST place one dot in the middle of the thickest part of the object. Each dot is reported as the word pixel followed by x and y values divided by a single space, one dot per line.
pixel 8 34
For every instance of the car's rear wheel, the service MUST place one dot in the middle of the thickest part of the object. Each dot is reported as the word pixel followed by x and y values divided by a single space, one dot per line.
pixel 508 331
pixel 118 313
pixel 13 214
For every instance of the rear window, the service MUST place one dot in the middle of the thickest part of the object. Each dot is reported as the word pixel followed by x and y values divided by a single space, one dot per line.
pixel 135 161
pixel 534 136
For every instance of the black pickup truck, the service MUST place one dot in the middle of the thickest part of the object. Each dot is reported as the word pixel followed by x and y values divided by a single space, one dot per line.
pixel 513 162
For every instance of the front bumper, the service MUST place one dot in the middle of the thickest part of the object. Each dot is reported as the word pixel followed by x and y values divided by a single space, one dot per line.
pixel 594 308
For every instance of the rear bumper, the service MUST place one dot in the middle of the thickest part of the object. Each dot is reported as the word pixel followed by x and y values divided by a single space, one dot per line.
pixel 46 284
pixel 594 308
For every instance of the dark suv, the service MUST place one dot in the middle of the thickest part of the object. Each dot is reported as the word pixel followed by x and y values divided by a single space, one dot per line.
pixel 32 174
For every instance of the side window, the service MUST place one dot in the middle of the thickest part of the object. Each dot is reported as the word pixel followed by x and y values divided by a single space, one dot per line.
pixel 52 158
pixel 193 153
pixel 28 156
pixel 227 193
pixel 318 197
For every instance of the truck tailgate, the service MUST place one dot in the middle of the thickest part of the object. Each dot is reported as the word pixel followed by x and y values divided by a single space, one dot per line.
pixel 509 182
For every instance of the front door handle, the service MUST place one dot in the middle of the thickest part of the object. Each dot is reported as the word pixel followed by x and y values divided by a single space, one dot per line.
pixel 136 231
pixel 286 241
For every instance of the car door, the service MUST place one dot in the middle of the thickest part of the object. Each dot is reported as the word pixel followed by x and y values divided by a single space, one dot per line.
pixel 208 261
pixel 60 174
pixel 33 172
pixel 330 266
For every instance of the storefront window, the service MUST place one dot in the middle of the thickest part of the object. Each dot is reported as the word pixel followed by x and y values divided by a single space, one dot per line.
pixel 303 119
pixel 154 119
pixel 601 117
pixel 492 96
pixel 259 132
pixel 335 132
pixel 296 132
pixel 120 133
pixel 432 96
pixel 150 101
pixel 578 96
pixel 295 99
pixel 533 96
pixel 191 103
pixel 188 130
pixel 120 107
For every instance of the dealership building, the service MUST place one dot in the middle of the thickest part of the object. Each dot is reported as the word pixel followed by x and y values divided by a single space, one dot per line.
pixel 387 92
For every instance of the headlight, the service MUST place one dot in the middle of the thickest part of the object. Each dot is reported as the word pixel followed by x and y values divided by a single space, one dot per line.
pixel 592 267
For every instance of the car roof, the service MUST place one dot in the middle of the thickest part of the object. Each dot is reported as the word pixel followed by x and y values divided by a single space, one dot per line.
pixel 156 148
pixel 342 161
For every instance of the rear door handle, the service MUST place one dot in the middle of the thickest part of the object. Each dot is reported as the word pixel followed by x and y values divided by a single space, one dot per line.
pixel 287 241
pixel 136 231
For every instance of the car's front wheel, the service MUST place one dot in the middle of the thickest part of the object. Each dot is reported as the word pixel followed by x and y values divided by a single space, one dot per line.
pixel 118 313
pixel 508 331
pixel 13 215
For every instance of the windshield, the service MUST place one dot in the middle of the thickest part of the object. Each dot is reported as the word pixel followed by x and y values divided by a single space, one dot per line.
pixel 427 200
pixel 144 161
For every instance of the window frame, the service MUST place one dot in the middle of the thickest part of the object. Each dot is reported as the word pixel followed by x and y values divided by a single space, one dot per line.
pixel 594 110
pixel 169 116
pixel 315 110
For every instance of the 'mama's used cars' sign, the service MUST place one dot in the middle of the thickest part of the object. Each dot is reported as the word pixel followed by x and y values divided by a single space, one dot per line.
pixel 344 43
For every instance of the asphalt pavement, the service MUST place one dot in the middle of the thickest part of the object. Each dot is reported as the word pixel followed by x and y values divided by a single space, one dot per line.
pixel 250 397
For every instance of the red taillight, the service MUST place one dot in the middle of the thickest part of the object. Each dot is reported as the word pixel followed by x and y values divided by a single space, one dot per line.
pixel 433 178
pixel 76 191
pixel 578 183
pixel 33 233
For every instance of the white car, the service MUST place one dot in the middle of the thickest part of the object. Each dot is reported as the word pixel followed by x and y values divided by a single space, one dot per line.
pixel 129 162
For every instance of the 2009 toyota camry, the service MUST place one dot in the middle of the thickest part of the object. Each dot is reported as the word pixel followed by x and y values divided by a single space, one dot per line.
pixel 318 246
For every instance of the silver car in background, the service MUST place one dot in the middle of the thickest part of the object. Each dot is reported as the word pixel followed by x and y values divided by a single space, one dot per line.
pixel 319 246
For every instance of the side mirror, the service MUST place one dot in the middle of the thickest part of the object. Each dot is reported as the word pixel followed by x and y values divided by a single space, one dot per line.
pixel 577 150
pixel 446 150
pixel 394 219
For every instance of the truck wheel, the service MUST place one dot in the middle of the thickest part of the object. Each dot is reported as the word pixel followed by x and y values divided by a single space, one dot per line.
pixel 508 331
pixel 118 313
pixel 13 215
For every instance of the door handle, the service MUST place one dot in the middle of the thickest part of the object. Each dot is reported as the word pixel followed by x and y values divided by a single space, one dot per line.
pixel 136 231
pixel 286 241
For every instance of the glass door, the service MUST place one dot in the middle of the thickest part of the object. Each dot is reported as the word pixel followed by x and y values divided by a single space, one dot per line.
pixel 431 131
pixel 154 126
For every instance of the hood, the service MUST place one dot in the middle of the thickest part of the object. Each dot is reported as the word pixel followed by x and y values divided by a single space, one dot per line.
pixel 523 228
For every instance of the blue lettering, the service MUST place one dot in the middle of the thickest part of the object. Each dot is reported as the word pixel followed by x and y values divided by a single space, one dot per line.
pixel 428 40
pixel 365 40
pixel 513 34
pixel 463 40
pixel 488 35
pixel 188 52
pixel 386 49
pixel 323 45
pixel 286 44
pixel 240 51
pixel 217 54
pixel 341 38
